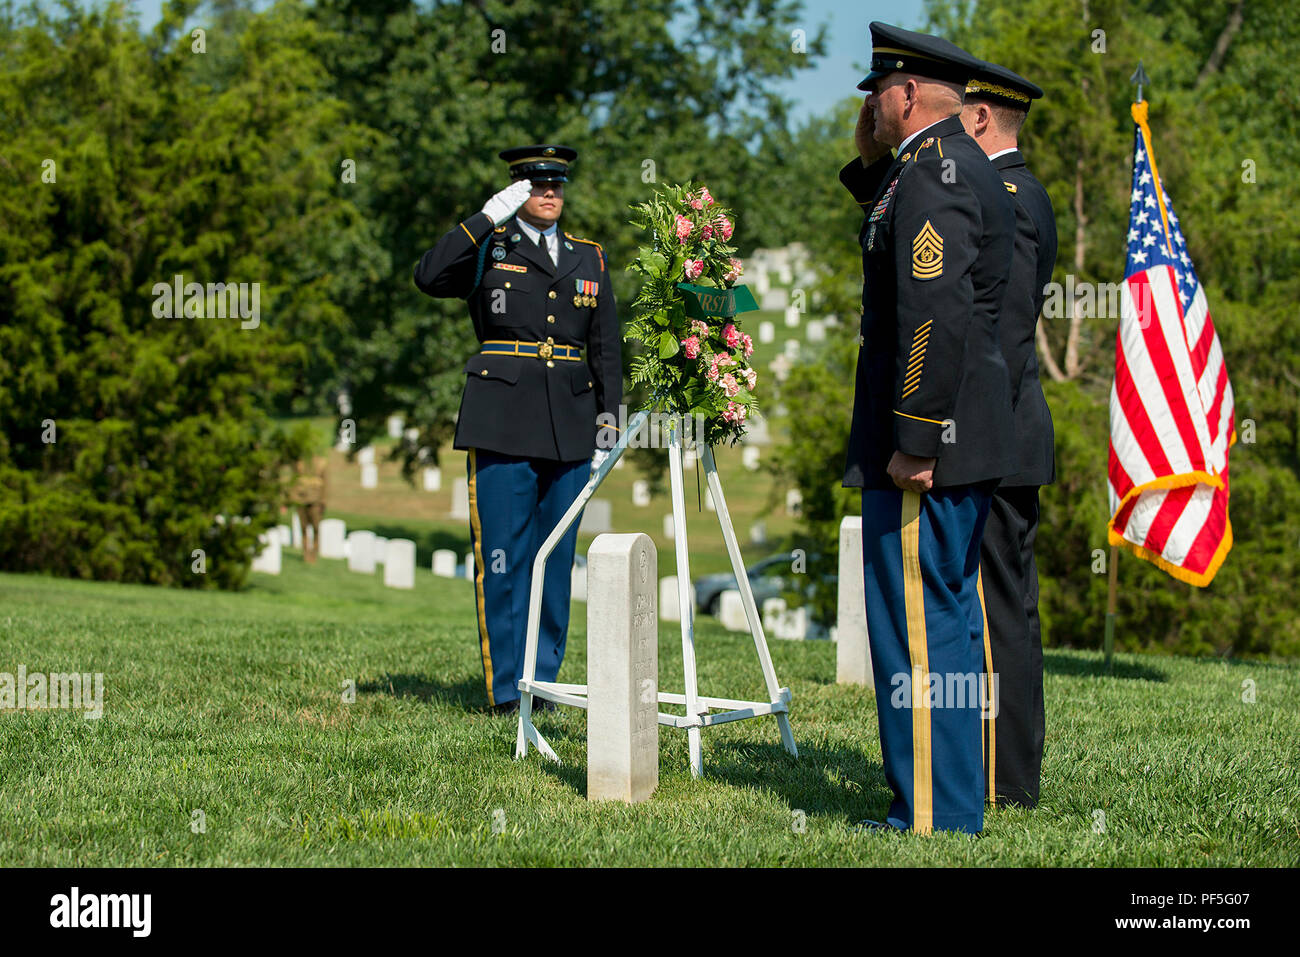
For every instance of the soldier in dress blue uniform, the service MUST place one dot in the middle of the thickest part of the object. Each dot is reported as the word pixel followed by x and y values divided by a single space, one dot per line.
pixel 549 362
pixel 932 431
pixel 997 103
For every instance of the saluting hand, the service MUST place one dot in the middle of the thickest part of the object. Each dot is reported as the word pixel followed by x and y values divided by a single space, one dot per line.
pixel 507 202
pixel 864 137
pixel 910 473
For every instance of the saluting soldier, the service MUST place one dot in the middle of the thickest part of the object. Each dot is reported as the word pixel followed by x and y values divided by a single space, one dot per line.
pixel 997 103
pixel 549 362
pixel 932 430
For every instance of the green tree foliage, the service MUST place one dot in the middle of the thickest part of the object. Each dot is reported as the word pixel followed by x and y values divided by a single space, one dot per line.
pixel 1224 116
pixel 663 91
pixel 124 162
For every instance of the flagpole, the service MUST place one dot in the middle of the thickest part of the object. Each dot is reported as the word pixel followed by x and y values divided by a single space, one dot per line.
pixel 1111 600
pixel 1112 588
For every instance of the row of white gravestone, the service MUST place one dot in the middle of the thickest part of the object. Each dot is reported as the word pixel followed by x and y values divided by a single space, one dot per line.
pixel 363 550
pixel 815 331
pixel 446 565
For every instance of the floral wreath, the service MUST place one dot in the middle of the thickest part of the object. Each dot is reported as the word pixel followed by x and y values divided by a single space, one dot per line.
pixel 696 360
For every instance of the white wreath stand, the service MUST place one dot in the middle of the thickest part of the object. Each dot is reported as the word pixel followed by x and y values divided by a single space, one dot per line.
pixel 700 711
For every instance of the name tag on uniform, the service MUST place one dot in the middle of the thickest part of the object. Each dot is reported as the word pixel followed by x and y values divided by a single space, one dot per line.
pixel 511 267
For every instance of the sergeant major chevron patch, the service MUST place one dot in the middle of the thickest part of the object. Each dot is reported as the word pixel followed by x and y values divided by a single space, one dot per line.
pixel 927 253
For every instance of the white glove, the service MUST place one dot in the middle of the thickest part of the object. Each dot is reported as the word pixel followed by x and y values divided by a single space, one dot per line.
pixel 598 459
pixel 504 204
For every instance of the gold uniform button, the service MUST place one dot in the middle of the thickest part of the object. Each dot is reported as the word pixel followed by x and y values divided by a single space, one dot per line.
pixel 550 318
pixel 507 285
pixel 588 383
pixel 484 372
pixel 551 294
pixel 550 364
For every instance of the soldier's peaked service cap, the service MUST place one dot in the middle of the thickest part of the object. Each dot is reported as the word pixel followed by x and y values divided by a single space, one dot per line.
pixel 894 49
pixel 997 84
pixel 545 163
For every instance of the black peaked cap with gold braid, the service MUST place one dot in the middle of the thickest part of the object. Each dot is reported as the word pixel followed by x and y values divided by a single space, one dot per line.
pixel 997 84
pixel 894 49
pixel 542 163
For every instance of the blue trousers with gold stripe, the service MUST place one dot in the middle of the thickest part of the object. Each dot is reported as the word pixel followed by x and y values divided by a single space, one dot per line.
pixel 924 621
pixel 513 505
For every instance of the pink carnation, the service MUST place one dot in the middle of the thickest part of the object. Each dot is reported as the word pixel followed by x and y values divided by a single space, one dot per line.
pixel 692 346
pixel 683 229
pixel 696 203
pixel 735 412
pixel 748 342
pixel 729 384
pixel 700 328
pixel 734 272
pixel 705 198
pixel 706 231
pixel 713 369
pixel 693 268
pixel 732 335
pixel 725 359
pixel 750 378
pixel 724 228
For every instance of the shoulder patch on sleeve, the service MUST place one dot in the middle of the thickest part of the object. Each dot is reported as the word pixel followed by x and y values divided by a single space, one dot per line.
pixel 1011 187
pixel 927 253
pixel 600 253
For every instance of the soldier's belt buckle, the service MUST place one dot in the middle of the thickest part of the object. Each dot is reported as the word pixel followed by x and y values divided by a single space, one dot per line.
pixel 545 350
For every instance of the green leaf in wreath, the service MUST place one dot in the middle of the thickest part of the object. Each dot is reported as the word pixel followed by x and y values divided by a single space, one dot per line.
pixel 668 345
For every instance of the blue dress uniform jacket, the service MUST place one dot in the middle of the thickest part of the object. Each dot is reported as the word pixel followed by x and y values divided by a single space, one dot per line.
pixel 1031 270
pixel 936 252
pixel 1008 587
pixel 544 404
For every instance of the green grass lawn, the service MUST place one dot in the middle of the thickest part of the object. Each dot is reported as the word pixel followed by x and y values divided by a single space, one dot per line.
pixel 231 704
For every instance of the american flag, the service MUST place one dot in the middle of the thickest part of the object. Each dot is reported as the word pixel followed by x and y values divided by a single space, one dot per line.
pixel 1171 408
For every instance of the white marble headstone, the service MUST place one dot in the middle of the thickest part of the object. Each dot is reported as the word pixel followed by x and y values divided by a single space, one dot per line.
pixel 333 538
pixel 361 553
pixel 731 611
pixel 622 669
pixel 460 498
pixel 669 606
pixel 444 563
pixel 268 559
pixel 641 493
pixel 793 501
pixel 399 570
pixel 597 516
pixel 852 649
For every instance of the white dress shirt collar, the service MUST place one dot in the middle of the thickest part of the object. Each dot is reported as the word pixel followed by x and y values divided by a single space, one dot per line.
pixel 902 147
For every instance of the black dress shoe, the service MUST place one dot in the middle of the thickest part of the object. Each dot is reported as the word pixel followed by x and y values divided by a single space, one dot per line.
pixel 506 707
pixel 542 704
pixel 868 826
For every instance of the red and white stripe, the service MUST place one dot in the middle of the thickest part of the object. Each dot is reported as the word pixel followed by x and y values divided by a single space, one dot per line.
pixel 1171 425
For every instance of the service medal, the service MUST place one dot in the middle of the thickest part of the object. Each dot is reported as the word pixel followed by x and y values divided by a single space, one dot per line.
pixel 498 253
